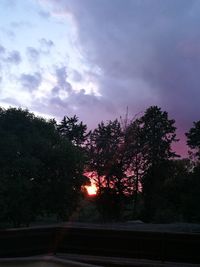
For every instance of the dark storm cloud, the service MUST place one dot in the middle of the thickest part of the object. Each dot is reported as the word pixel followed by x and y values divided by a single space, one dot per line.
pixel 31 81
pixel 145 53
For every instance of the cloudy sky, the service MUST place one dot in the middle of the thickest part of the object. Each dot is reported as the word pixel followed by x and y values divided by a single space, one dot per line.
pixel 94 58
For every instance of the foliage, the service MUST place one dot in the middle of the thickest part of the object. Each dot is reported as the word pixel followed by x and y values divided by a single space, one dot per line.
pixel 74 131
pixel 157 134
pixel 42 167
pixel 106 154
pixel 134 160
pixel 103 146
pixel 193 139
pixel 40 172
pixel 134 157
pixel 191 196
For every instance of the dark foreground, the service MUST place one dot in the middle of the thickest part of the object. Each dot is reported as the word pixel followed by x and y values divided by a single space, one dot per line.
pixel 91 243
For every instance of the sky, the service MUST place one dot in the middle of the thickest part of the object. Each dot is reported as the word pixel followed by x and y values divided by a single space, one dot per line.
pixel 95 58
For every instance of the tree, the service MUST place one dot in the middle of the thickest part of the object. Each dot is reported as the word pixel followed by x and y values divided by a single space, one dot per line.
pixel 18 167
pixel 157 135
pixel 134 161
pixel 64 179
pixel 40 172
pixel 105 150
pixel 171 201
pixel 74 131
pixel 192 206
pixel 191 197
pixel 193 139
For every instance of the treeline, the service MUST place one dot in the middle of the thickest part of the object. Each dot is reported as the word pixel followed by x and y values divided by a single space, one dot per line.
pixel 41 171
pixel 44 167
pixel 134 166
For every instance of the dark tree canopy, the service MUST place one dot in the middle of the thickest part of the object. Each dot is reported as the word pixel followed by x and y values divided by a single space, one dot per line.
pixel 193 139
pixel 135 162
pixel 73 130
pixel 129 158
pixel 43 166
pixel 192 194
pixel 40 172
pixel 106 154
pixel 103 148
pixel 158 135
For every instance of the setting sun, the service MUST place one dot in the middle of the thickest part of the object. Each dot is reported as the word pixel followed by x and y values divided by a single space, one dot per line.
pixel 91 190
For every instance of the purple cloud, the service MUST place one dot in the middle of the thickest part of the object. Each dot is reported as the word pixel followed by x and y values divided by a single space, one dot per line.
pixel 76 76
pixel 62 83
pixel 145 53
pixel 14 57
pixel 44 14
pixel 46 42
pixel 31 81
pixel 46 45
pixel 2 50
pixel 153 45
pixel 11 101
pixel 89 108
pixel 21 24
pixel 33 54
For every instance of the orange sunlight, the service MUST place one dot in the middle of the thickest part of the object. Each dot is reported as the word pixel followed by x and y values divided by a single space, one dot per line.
pixel 91 190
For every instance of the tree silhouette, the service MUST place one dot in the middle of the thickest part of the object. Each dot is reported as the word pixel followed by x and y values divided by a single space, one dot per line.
pixel 134 161
pixel 73 130
pixel 193 139
pixel 158 134
pixel 192 203
pixel 106 159
pixel 40 172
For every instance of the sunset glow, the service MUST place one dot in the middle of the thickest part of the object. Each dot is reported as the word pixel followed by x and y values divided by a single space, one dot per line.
pixel 91 190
